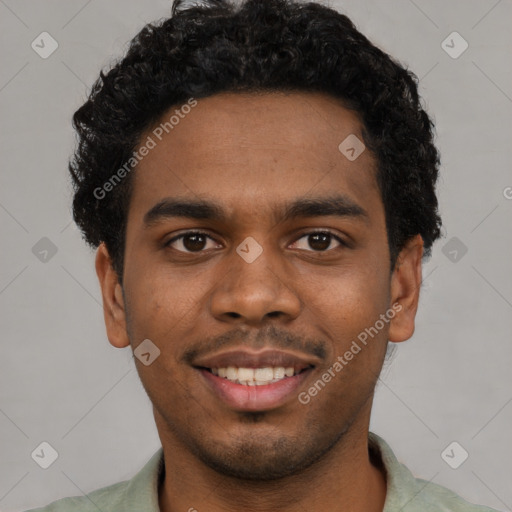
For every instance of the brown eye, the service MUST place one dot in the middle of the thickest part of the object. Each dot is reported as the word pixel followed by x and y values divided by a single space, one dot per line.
pixel 192 241
pixel 319 241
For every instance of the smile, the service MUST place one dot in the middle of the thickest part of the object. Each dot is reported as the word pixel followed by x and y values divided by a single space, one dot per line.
pixel 256 376
pixel 252 389
pixel 247 380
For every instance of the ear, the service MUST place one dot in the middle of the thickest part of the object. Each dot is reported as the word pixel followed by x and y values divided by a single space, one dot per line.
pixel 113 301
pixel 405 289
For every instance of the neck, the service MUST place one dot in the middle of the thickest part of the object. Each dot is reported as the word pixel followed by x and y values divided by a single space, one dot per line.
pixel 343 479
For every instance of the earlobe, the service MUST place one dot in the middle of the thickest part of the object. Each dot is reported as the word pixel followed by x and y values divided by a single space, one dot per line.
pixel 405 289
pixel 113 300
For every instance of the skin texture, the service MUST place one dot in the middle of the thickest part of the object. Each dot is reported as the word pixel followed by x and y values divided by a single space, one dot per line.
pixel 251 154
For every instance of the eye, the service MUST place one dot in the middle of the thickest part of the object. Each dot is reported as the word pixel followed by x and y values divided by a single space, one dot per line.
pixel 320 241
pixel 196 241
pixel 191 241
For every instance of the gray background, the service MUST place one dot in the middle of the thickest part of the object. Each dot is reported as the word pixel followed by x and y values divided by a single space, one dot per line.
pixel 62 382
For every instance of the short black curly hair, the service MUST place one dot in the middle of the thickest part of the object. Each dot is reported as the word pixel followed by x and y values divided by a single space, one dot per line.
pixel 255 45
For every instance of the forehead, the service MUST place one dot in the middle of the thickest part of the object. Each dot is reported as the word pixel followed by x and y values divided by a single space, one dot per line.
pixel 252 150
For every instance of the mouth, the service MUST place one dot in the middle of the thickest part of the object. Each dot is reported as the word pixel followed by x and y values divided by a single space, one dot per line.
pixel 256 376
pixel 249 381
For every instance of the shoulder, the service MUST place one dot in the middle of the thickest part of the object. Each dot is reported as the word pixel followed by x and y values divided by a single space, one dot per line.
pixel 430 497
pixel 106 498
pixel 140 494
pixel 406 493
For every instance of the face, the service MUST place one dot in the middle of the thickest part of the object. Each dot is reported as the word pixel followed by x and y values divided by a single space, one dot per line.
pixel 256 256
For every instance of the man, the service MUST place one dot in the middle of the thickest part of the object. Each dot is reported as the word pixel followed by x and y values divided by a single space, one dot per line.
pixel 260 183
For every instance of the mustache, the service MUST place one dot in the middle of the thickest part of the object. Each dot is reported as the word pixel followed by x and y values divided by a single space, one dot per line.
pixel 269 336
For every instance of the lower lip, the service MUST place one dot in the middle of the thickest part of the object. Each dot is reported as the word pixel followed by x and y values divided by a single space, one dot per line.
pixel 254 398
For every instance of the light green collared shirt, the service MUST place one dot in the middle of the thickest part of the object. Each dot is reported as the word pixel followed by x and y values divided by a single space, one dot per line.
pixel 405 493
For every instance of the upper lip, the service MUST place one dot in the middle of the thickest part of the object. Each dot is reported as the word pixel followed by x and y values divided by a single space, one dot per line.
pixel 244 358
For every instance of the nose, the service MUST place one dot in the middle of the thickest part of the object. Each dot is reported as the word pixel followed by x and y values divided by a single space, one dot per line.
pixel 252 292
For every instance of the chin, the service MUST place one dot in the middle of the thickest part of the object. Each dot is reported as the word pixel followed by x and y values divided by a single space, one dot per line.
pixel 262 458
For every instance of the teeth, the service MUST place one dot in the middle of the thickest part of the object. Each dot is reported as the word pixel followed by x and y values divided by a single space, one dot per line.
pixel 244 374
pixel 231 373
pixel 279 372
pixel 254 376
pixel 264 374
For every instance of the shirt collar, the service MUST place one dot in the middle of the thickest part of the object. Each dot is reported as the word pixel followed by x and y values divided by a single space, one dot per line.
pixel 402 488
pixel 142 490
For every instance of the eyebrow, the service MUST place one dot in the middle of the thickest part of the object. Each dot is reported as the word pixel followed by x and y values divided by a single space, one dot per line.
pixel 338 206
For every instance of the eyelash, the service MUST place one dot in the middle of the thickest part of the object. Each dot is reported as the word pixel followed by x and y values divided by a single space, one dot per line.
pixel 307 233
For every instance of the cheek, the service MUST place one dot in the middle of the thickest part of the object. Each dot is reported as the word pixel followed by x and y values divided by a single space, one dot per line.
pixel 347 312
pixel 350 298
pixel 157 300
pixel 168 306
